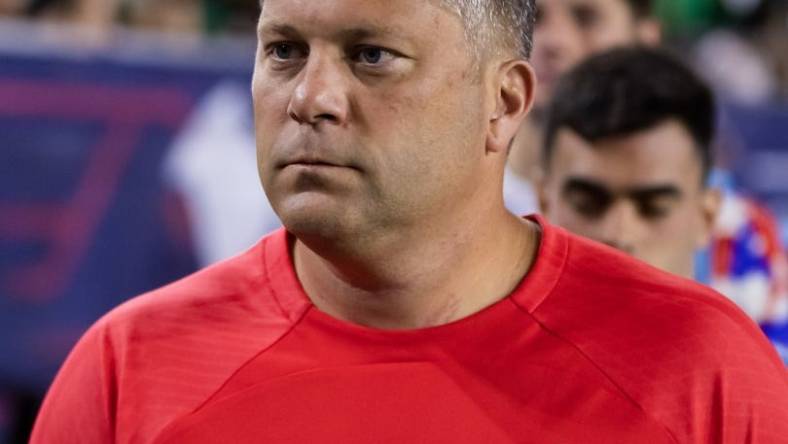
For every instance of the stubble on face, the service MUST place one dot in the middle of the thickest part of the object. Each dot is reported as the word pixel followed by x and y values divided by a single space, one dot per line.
pixel 412 135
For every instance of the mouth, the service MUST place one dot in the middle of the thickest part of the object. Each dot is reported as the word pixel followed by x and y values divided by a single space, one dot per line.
pixel 312 164
pixel 312 160
pixel 305 151
pixel 315 165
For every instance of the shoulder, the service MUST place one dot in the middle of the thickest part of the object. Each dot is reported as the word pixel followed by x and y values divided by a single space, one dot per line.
pixel 619 295
pixel 223 284
pixel 161 354
pixel 616 284
pixel 239 286
pixel 685 354
pixel 168 350
pixel 214 311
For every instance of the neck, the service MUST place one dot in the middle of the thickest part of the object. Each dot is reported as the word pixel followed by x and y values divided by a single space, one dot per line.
pixel 526 153
pixel 423 279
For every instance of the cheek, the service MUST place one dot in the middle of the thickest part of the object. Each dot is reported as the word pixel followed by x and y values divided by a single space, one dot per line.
pixel 677 235
pixel 562 213
pixel 422 121
pixel 270 102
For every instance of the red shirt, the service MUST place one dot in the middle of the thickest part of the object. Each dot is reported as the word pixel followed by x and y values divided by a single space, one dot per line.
pixel 591 347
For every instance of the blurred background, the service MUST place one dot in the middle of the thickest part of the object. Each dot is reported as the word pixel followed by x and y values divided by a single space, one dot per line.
pixel 127 154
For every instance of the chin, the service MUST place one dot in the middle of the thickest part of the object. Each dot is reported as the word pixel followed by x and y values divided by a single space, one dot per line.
pixel 316 221
pixel 314 227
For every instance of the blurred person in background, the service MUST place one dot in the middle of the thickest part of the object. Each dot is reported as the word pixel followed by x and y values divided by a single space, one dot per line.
pixel 627 154
pixel 568 31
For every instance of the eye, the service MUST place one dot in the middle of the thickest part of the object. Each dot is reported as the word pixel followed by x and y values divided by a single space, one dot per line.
pixel 585 16
pixel 588 203
pixel 286 51
pixel 653 209
pixel 373 55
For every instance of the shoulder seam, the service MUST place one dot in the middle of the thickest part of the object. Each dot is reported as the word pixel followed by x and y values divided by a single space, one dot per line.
pixel 601 371
pixel 244 364
pixel 532 315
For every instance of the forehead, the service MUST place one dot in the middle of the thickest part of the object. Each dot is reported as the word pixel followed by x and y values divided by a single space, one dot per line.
pixel 394 16
pixel 661 155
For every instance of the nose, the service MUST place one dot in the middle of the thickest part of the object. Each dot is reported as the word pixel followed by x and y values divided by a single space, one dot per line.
pixel 320 96
pixel 622 227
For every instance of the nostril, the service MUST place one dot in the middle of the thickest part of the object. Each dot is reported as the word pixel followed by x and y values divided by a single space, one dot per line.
pixel 325 116
pixel 294 116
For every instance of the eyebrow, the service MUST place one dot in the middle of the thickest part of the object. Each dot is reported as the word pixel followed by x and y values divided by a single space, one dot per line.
pixel 586 185
pixel 638 193
pixel 655 192
pixel 280 29
pixel 350 34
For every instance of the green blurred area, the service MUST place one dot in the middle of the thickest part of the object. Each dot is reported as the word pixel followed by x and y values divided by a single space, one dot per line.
pixel 688 18
pixel 222 15
pixel 682 17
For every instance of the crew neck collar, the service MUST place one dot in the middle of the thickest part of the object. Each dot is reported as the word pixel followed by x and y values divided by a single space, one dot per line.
pixel 532 290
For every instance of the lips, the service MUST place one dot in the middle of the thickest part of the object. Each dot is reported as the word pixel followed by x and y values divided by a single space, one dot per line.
pixel 304 148
pixel 314 162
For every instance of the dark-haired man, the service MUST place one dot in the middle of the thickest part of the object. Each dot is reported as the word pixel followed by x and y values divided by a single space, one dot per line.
pixel 567 32
pixel 626 155
pixel 402 302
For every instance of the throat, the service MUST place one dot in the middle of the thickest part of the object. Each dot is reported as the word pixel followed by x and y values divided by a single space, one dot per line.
pixel 420 290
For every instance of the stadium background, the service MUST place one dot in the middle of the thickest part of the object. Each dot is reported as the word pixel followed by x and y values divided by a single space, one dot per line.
pixel 127 157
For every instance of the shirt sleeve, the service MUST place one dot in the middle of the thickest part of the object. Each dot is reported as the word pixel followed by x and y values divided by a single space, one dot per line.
pixel 730 387
pixel 80 404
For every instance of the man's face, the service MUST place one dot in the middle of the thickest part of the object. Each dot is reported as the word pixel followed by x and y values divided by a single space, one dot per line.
pixel 640 193
pixel 368 113
pixel 568 31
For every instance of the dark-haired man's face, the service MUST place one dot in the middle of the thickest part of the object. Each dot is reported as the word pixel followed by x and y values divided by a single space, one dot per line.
pixel 642 194
pixel 568 31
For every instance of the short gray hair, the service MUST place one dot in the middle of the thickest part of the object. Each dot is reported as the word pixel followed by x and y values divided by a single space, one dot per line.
pixel 497 24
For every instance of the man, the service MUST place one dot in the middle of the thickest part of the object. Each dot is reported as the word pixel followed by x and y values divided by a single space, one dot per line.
pixel 567 32
pixel 627 153
pixel 748 263
pixel 736 264
pixel 404 303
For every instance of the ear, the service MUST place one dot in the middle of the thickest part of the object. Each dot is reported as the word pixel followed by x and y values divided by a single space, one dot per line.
pixel 710 203
pixel 515 84
pixel 649 32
